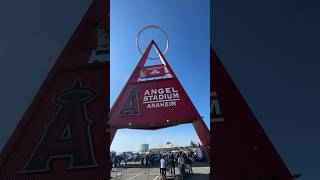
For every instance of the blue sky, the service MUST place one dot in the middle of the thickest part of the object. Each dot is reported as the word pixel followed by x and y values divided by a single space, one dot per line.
pixel 188 27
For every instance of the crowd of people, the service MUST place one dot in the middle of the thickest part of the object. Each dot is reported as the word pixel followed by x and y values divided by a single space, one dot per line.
pixel 167 162
pixel 147 160
pixel 116 160
pixel 182 160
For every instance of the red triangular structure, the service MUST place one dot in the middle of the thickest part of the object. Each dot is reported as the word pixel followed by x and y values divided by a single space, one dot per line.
pixel 62 134
pixel 241 149
pixel 156 103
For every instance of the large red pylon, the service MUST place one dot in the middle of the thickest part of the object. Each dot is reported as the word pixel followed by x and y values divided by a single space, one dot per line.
pixel 240 148
pixel 155 103
pixel 62 134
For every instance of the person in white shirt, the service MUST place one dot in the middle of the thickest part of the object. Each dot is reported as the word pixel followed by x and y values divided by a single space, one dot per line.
pixel 163 167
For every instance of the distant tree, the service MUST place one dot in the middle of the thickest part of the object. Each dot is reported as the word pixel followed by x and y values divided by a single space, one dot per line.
pixel 193 144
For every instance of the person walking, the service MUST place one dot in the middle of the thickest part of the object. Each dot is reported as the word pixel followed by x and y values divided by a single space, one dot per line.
pixel 125 160
pixel 172 164
pixel 119 159
pixel 147 160
pixel 181 163
pixel 142 159
pixel 151 158
pixel 115 161
pixel 189 160
pixel 163 168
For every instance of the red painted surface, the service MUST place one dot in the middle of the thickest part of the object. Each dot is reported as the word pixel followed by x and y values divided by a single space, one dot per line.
pixel 240 148
pixel 72 66
pixel 154 118
pixel 181 110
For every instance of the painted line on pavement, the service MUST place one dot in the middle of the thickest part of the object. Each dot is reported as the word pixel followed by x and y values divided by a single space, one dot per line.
pixel 134 176
pixel 156 177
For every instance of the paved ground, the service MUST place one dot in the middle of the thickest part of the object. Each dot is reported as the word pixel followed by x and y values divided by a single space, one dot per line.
pixel 135 171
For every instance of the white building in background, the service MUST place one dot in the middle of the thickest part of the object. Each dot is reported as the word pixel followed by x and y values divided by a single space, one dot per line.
pixel 144 148
pixel 168 145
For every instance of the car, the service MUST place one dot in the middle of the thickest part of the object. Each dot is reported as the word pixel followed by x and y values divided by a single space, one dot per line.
pixel 155 156
pixel 137 157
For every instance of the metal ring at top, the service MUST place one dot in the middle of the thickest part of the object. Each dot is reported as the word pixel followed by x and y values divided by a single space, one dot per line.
pixel 158 28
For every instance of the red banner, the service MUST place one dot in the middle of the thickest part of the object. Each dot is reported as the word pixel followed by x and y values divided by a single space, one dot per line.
pixel 152 71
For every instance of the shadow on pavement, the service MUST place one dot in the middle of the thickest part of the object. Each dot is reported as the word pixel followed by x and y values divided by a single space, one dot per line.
pixel 195 176
pixel 200 164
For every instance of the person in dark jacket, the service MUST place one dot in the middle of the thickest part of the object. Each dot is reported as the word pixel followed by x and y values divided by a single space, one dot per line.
pixel 147 160
pixel 189 164
pixel 172 164
pixel 151 159
pixel 142 159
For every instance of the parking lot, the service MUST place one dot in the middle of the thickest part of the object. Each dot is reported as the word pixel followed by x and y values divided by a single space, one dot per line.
pixel 135 170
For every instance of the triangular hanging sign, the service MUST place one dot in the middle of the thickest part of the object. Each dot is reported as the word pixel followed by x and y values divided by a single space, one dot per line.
pixel 156 103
